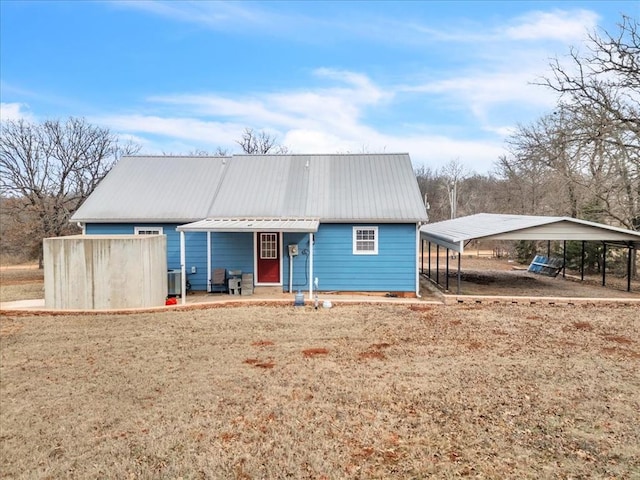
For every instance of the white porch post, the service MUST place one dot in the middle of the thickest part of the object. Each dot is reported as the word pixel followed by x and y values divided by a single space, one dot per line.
pixel 183 269
pixel 418 260
pixel 311 238
pixel 209 261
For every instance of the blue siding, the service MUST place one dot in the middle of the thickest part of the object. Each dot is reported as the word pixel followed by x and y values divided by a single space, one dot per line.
pixel 301 263
pixel 233 251
pixel 335 265
pixel 392 269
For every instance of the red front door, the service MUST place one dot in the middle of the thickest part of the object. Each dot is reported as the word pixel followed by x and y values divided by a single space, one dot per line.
pixel 268 252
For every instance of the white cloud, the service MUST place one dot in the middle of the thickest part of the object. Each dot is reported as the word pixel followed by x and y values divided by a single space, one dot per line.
pixel 429 150
pixel 560 25
pixel 198 133
pixel 15 111
pixel 223 15
pixel 321 120
pixel 493 93
pixel 335 109
pixel 503 65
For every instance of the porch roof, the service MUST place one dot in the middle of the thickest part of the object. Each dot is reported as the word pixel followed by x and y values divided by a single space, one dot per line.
pixel 252 225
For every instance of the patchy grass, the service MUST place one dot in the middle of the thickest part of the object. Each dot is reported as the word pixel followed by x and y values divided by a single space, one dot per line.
pixel 398 392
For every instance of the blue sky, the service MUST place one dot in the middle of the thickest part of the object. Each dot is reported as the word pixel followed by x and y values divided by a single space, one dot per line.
pixel 440 80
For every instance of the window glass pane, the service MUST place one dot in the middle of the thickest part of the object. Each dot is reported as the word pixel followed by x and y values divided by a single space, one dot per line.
pixel 268 246
pixel 148 230
pixel 365 240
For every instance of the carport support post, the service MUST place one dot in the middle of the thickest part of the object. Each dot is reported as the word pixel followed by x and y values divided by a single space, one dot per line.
pixel 564 258
pixel 604 263
pixel 582 263
pixel 183 270
pixel 459 256
pixel 429 256
pixel 437 264
pixel 629 252
pixel 421 256
pixel 446 280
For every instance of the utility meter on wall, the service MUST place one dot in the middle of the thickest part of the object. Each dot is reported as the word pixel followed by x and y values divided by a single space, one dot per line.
pixel 293 250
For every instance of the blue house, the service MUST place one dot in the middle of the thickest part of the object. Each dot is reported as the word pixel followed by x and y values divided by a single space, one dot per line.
pixel 343 222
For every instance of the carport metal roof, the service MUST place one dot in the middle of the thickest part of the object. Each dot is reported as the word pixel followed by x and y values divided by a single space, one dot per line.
pixel 455 234
pixel 303 225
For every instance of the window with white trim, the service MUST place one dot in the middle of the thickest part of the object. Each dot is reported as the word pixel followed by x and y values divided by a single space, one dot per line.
pixel 268 246
pixel 147 230
pixel 365 240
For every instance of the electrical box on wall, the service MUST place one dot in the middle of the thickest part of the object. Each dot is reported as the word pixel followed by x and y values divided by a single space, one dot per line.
pixel 293 250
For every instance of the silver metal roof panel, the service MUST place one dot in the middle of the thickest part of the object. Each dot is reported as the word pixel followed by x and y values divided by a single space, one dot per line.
pixel 332 188
pixel 454 233
pixel 160 189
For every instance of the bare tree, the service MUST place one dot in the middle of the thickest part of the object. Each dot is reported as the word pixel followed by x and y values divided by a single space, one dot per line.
pixel 219 152
pixel 584 159
pixel 452 174
pixel 260 143
pixel 50 168
pixel 607 78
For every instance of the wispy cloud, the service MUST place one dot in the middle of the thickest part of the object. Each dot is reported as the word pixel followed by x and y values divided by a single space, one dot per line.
pixel 333 108
pixel 326 119
pixel 15 111
pixel 250 17
pixel 441 90
pixel 560 25
pixel 261 17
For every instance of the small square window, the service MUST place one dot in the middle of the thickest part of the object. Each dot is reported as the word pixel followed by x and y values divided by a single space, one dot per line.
pixel 148 230
pixel 365 240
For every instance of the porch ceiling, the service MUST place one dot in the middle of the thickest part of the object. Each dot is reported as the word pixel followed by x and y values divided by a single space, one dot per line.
pixel 252 225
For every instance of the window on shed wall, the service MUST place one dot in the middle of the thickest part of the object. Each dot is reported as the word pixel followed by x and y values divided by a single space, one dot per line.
pixel 365 240
pixel 147 230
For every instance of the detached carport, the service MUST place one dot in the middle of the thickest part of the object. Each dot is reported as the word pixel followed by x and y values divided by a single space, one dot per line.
pixel 455 235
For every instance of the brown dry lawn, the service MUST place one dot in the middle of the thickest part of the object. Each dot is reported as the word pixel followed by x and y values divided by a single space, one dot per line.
pixel 370 391
pixel 21 282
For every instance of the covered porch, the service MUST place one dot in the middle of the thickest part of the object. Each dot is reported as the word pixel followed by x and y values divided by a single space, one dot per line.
pixel 268 250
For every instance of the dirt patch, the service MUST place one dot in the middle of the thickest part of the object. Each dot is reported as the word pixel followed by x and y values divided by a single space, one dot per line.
pixel 314 352
pixel 372 354
pixel 501 277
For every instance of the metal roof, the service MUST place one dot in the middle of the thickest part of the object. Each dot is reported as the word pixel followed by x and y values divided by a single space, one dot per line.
pixel 453 234
pixel 252 225
pixel 332 188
